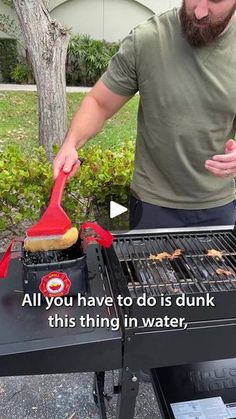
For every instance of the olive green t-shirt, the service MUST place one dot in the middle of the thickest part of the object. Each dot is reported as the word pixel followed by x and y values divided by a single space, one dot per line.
pixel 187 111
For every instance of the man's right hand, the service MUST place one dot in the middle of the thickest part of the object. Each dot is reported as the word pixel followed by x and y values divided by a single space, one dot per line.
pixel 66 158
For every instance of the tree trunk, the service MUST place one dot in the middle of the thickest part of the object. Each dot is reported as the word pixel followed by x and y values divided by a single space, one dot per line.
pixel 47 43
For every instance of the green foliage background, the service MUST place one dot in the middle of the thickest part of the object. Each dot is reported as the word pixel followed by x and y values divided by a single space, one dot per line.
pixel 87 59
pixel 26 175
pixel 25 183
pixel 8 58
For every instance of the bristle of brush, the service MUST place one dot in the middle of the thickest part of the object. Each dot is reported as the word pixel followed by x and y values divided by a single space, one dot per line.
pixel 43 244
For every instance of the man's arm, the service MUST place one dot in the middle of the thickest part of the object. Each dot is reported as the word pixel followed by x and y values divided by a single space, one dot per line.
pixel 98 105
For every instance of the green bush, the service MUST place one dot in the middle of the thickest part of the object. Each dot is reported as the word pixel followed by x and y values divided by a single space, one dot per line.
pixel 106 174
pixel 8 58
pixel 87 59
pixel 22 73
pixel 25 183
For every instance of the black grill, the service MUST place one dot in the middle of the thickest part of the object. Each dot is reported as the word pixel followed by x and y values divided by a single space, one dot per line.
pixel 28 346
pixel 193 271
pixel 134 273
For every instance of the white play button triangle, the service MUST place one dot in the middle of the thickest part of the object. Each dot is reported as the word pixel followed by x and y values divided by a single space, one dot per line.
pixel 116 209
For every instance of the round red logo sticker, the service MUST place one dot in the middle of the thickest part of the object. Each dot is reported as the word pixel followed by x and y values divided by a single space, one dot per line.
pixel 55 284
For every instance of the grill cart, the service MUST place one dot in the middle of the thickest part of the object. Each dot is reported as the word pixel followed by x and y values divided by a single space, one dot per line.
pixel 133 269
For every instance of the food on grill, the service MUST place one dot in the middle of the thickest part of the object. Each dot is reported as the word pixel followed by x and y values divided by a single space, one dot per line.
pixel 223 272
pixel 163 255
pixel 215 253
pixel 160 256
pixel 177 252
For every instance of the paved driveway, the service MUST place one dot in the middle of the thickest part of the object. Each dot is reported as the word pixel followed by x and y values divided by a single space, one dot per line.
pixel 63 396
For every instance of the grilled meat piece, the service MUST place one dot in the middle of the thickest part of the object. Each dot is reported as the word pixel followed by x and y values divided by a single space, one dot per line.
pixel 163 255
pixel 160 256
pixel 215 253
pixel 220 271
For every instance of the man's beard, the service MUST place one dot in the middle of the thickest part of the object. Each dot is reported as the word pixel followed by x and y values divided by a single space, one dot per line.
pixel 198 36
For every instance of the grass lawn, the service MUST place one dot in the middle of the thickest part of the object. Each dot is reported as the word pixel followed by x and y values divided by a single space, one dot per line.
pixel 19 119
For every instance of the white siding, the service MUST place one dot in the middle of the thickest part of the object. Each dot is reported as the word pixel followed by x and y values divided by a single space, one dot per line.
pixel 7 11
pixel 102 19
pixel 107 19
pixel 159 6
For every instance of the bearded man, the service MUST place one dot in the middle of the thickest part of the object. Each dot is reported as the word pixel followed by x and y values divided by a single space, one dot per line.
pixel 183 64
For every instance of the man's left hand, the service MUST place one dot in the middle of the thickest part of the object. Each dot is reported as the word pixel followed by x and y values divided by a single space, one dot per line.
pixel 223 164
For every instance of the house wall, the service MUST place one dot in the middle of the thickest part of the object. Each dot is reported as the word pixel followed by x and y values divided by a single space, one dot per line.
pixel 102 19
pixel 7 11
pixel 107 19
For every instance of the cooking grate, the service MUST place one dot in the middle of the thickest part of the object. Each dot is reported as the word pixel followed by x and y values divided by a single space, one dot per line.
pixel 191 272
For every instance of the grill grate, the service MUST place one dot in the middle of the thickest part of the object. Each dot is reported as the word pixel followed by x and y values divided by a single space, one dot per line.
pixel 191 272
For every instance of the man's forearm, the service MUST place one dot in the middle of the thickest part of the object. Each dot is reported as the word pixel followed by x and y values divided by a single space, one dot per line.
pixel 99 105
pixel 87 122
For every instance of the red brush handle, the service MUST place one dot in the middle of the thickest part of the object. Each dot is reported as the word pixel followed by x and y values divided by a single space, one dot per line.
pixel 58 189
pixel 59 185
